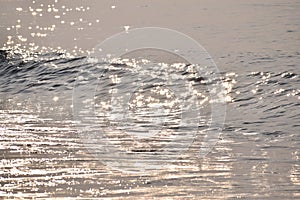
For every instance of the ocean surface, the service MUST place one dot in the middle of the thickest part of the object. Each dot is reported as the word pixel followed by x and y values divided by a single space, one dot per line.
pixel 47 151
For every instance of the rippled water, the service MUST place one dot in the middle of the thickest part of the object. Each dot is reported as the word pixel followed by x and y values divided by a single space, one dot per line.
pixel 44 154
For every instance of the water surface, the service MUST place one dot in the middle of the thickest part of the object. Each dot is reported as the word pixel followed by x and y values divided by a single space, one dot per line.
pixel 256 47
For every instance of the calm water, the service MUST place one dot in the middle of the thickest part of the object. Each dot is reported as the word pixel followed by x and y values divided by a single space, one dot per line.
pixel 43 149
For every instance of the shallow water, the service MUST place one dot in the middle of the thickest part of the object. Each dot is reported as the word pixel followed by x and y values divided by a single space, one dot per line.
pixel 44 152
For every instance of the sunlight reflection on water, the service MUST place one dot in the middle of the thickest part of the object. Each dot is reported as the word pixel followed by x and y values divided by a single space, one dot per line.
pixel 257 156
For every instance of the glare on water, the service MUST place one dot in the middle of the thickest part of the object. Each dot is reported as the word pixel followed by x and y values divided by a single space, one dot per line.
pixel 45 54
